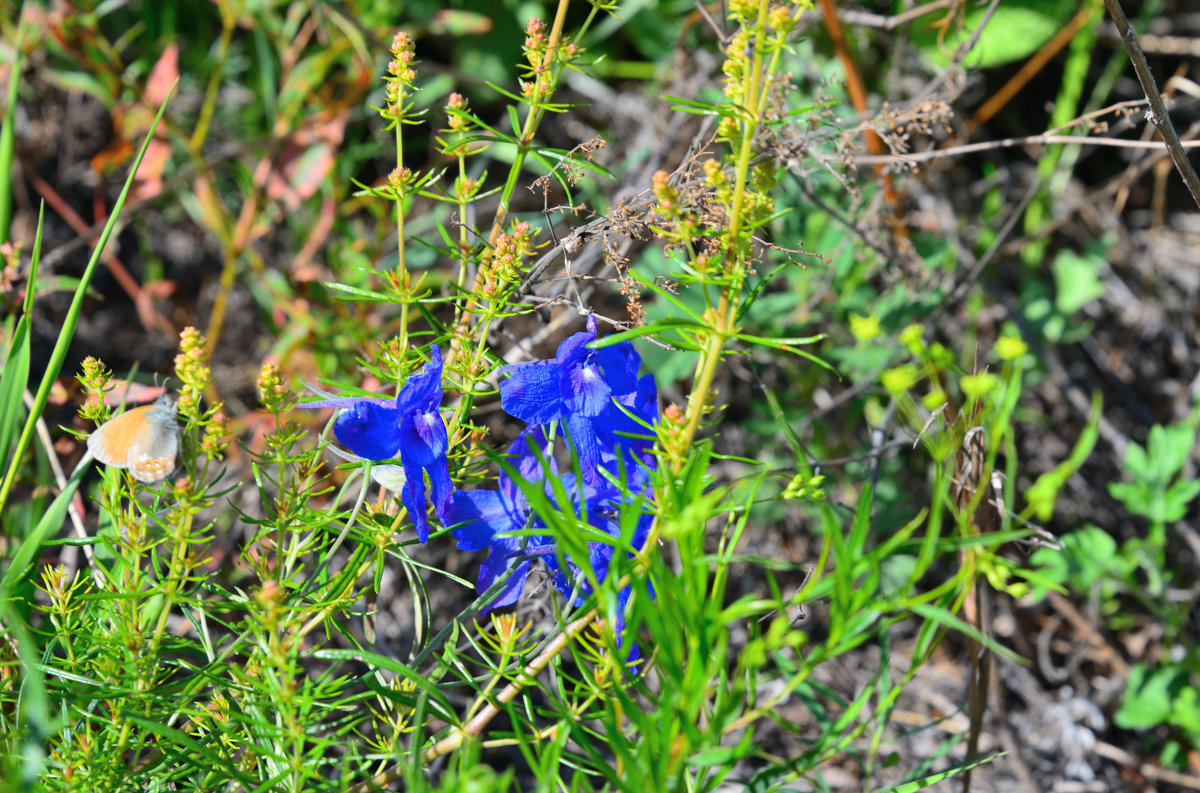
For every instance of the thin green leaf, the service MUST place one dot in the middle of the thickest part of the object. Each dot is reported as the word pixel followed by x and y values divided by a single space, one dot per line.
pixel 186 741
pixel 8 137
pixel 505 93
pixel 355 292
pixel 693 106
pixel 943 617
pixel 932 779
pixel 582 162
pixel 50 523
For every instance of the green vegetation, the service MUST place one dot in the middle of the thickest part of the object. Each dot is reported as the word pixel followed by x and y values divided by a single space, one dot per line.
pixel 695 424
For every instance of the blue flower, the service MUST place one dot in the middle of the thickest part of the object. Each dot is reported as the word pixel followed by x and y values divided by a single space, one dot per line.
pixel 487 520
pixel 411 428
pixel 577 388
pixel 622 432
pixel 575 586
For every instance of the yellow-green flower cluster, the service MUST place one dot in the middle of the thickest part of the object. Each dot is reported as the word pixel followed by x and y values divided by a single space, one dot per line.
pixel 805 487
pixel 744 11
pixel 10 258
pixel 272 391
pixel 679 224
pixel 191 367
pixel 95 379
pixel 400 181
pixel 507 263
pixel 216 436
pixel 672 439
pixel 401 76
pixel 456 122
pixel 735 67
pixel 402 59
pixel 716 178
pixel 540 59
pixel 504 636
pixel 459 125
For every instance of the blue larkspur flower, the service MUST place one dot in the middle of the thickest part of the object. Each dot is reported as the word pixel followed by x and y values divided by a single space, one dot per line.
pixel 577 388
pixel 490 519
pixel 603 506
pixel 607 414
pixel 485 519
pixel 409 427
pixel 622 433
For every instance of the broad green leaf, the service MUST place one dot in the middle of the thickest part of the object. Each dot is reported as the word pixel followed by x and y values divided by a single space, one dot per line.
pixel 1147 700
pixel 1016 30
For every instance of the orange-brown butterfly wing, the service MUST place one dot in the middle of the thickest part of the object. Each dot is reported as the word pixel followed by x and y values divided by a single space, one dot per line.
pixel 152 454
pixel 150 467
pixel 110 443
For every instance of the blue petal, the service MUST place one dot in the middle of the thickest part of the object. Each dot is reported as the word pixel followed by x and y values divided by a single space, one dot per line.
pixel 584 388
pixel 531 392
pixel 645 521
pixel 413 494
pixel 521 454
pixel 615 428
pixel 583 436
pixel 635 653
pixel 645 404
pixel 598 495
pixel 618 432
pixel 504 549
pixel 413 497
pixel 423 390
pixel 620 363
pixel 493 567
pixel 573 349
pixel 567 581
pixel 423 436
pixel 439 480
pixel 529 467
pixel 483 513
pixel 600 555
pixel 370 428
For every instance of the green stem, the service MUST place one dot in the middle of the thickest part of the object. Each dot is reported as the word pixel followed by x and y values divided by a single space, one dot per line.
pixel 463 254
pixel 229 18
pixel 706 371
pixel 532 121
pixel 402 263
pixel 176 575
pixel 8 135
pixel 724 319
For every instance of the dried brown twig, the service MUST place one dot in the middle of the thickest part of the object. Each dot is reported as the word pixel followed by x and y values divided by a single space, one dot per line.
pixel 1008 143
pixel 1158 115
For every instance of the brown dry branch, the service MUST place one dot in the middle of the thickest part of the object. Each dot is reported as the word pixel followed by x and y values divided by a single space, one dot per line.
pixel 1008 143
pixel 1158 116
pixel 865 19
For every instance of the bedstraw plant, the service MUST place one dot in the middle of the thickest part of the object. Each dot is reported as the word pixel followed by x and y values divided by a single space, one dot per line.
pixel 172 659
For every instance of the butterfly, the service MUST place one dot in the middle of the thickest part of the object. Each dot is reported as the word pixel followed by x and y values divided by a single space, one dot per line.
pixel 144 440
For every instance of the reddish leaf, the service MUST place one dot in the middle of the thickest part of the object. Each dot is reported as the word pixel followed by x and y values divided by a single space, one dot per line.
pixel 162 76
pixel 113 156
pixel 129 393
pixel 307 158
pixel 149 180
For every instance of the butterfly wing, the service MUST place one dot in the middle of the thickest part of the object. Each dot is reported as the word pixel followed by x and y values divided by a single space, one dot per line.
pixel 110 443
pixel 152 453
